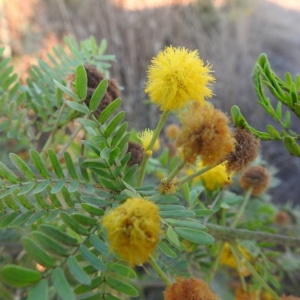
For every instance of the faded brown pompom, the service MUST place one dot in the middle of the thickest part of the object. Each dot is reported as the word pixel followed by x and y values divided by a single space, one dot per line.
pixel 106 100
pixel 137 153
pixel 245 151
pixel 172 131
pixel 94 77
pixel 189 289
pixel 256 177
pixel 289 298
pixel 282 218
pixel 205 132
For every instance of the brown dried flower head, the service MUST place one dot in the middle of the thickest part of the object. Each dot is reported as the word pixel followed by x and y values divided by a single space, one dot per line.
pixel 137 153
pixel 205 132
pixel 289 298
pixel 245 151
pixel 94 77
pixel 189 289
pixel 172 131
pixel 168 188
pixel 282 218
pixel 257 178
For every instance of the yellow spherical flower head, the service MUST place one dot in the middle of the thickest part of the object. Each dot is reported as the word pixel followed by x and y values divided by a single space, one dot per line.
pixel 205 132
pixel 216 177
pixel 177 76
pixel 227 259
pixel 145 137
pixel 133 229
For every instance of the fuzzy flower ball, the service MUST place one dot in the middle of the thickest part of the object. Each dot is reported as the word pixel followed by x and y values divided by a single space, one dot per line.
pixel 206 133
pixel 146 137
pixel 255 177
pixel 245 151
pixel 189 289
pixel 216 177
pixel 177 76
pixel 227 259
pixel 133 229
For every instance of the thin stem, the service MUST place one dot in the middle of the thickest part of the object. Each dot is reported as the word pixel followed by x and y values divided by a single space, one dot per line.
pixel 239 267
pixel 200 172
pixel 216 263
pixel 70 140
pixel 156 133
pixel 230 234
pixel 159 271
pixel 54 130
pixel 242 208
pixel 255 274
pixel 175 171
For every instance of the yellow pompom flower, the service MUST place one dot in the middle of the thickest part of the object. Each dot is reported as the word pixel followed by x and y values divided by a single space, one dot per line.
pixel 177 76
pixel 133 229
pixel 227 259
pixel 216 177
pixel 145 137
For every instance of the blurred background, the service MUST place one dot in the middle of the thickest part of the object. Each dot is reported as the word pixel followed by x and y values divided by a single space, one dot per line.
pixel 229 34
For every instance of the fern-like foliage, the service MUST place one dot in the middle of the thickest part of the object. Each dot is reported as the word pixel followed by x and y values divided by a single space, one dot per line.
pixel 59 192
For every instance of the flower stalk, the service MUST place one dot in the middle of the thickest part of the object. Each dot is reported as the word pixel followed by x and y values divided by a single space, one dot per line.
pixel 155 136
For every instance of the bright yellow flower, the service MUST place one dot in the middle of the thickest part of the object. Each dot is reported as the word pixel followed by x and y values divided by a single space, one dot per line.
pixel 177 76
pixel 228 259
pixel 145 137
pixel 133 229
pixel 216 177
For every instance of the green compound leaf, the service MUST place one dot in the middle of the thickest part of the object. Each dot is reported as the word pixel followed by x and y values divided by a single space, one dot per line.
pixel 82 288
pixel 49 244
pixel 166 249
pixel 98 244
pixel 9 219
pixel 73 224
pixel 122 287
pixel 57 187
pixel 39 291
pixel 195 236
pixel 81 82
pixel 37 253
pixel 7 174
pixel 186 223
pixel 121 270
pixel 114 123
pixel 21 219
pixel 58 235
pixel 84 220
pixel 56 164
pixel 66 90
pixel 17 276
pixel 98 95
pixel 182 214
pixel 70 165
pixel 92 258
pixel 109 110
pixel 91 209
pixel 78 107
pixel 27 188
pixel 173 237
pixel 77 271
pixel 21 166
pixel 39 163
pixel 61 285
